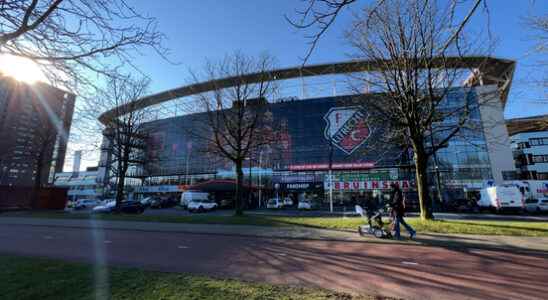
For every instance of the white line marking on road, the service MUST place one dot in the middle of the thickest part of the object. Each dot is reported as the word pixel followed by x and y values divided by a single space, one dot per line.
pixel 108 242
pixel 409 263
pixel 282 254
pixel 182 247
pixel 48 237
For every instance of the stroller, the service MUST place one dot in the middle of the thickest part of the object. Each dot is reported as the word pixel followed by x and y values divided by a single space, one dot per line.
pixel 375 225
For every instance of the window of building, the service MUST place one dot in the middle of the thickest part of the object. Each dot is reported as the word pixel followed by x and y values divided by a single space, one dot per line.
pixel 509 175
pixel 538 141
pixel 540 158
pixel 524 145
pixel 542 176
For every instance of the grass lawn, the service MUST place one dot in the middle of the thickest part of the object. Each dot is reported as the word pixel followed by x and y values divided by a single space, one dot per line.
pixel 34 278
pixel 514 228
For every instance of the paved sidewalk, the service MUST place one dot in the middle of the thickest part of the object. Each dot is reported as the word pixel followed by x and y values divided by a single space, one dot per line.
pixel 514 243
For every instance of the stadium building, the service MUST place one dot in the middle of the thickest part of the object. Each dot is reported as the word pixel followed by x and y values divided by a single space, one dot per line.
pixel 299 163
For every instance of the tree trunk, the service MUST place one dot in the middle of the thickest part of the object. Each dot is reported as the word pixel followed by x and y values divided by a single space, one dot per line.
pixel 120 184
pixel 421 172
pixel 120 190
pixel 239 189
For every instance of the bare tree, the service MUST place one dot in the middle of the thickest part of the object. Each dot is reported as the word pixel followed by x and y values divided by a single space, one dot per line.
pixel 414 43
pixel 235 127
pixel 319 15
pixel 124 134
pixel 539 26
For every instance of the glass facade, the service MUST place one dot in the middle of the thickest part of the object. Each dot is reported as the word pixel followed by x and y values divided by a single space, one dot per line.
pixel 303 140
pixel 465 158
pixel 175 155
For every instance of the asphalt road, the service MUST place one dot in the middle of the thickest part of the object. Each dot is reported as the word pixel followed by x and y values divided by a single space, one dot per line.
pixel 406 271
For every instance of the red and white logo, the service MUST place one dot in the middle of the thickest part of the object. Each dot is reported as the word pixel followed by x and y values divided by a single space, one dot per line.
pixel 346 128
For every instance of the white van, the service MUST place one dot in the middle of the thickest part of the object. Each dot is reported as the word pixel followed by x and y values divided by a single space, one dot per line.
pixel 193 196
pixel 502 197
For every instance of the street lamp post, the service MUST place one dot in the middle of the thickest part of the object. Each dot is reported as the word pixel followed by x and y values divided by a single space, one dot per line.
pixel 330 176
pixel 260 172
pixel 188 149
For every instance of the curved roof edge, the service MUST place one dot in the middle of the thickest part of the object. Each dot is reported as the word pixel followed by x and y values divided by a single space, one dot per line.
pixel 485 70
pixel 533 123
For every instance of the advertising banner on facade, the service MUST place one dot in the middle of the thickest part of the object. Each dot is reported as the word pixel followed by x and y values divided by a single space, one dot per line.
pixel 356 186
pixel 159 189
pixel 335 166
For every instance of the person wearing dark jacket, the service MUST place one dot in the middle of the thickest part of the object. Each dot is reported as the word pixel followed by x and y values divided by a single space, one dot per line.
pixel 398 207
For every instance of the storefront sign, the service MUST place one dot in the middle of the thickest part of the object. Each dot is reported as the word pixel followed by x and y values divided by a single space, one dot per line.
pixel 294 178
pixel 366 185
pixel 338 166
pixel 302 186
pixel 297 186
pixel 346 128
pixel 382 174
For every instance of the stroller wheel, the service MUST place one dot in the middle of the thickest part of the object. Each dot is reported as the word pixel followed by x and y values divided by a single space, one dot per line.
pixel 379 233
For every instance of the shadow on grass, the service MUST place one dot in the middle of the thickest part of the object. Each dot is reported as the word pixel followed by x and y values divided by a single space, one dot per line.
pixel 501 225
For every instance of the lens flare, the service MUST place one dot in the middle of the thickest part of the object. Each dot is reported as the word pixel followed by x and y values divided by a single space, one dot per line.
pixel 22 69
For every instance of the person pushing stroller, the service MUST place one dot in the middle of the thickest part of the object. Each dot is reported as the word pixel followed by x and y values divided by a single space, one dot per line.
pixel 374 219
pixel 398 212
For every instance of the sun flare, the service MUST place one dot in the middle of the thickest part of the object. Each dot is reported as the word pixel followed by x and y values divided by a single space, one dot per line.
pixel 21 69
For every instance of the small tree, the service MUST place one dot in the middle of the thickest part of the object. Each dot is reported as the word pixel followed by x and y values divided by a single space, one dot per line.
pixel 234 128
pixel 73 41
pixel 538 24
pixel 124 133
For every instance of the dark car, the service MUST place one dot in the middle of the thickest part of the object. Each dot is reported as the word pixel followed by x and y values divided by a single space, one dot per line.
pixel 131 207
pixel 163 202
pixel 169 202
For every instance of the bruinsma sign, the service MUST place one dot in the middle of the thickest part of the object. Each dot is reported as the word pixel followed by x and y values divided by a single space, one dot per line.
pixel 367 185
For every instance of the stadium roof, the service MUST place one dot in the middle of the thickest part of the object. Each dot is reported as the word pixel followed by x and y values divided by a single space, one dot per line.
pixel 485 71
pixel 518 125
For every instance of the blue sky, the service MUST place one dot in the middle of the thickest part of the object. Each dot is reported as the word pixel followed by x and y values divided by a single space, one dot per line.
pixel 197 30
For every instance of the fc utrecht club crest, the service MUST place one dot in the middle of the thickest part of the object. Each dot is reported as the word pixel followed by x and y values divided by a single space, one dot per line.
pixel 346 128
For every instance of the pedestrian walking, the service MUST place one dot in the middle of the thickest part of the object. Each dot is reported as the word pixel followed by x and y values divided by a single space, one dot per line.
pixel 398 207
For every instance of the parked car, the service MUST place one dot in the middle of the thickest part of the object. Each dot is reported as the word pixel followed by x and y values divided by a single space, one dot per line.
pixel 155 202
pixel 86 203
pixel 163 202
pixel 305 204
pixel 131 207
pixel 287 202
pixel 536 205
pixel 190 196
pixel 169 202
pixel 201 205
pixel 147 201
pixel 461 206
pixel 502 197
pixel 274 203
pixel 226 203
pixel 105 208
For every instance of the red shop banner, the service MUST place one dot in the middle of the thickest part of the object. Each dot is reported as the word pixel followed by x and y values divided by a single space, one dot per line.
pixel 337 166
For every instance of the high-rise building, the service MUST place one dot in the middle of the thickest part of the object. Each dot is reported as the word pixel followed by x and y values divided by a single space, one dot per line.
pixel 35 122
